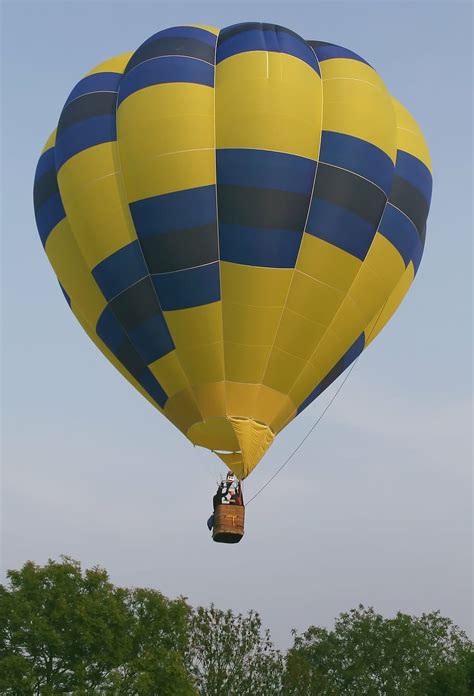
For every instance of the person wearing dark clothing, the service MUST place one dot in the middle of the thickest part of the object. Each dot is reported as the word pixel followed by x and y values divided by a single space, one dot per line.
pixel 228 493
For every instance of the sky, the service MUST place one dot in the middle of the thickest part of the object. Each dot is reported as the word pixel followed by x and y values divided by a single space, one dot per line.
pixel 376 506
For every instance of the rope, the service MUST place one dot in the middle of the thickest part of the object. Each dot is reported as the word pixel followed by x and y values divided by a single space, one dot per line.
pixel 320 417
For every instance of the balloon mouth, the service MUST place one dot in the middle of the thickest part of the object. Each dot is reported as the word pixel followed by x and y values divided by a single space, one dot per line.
pixel 239 442
pixel 233 461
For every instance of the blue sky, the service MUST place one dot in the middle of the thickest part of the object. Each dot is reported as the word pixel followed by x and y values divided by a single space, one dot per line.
pixel 376 507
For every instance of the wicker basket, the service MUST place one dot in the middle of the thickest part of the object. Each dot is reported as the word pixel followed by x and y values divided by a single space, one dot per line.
pixel 228 523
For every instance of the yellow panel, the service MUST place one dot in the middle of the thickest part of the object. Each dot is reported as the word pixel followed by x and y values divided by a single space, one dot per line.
pixel 409 136
pixel 328 352
pixel 327 263
pixel 282 370
pixel 347 325
pixel 215 434
pixel 116 64
pixel 245 363
pixel 95 203
pixel 177 115
pixel 298 335
pixel 313 299
pixel 268 101
pixel 254 326
pixel 357 108
pixel 202 363
pixel 182 410
pixel 169 173
pixel 72 273
pixel 82 170
pixel 196 326
pixel 251 285
pixel 51 141
pixel 377 278
pixel 366 295
pixel 154 136
pixel 166 139
pixel 337 68
pixel 230 458
pixel 273 408
pixel 258 402
pixel 241 398
pixel 211 399
pixel 381 318
pixel 385 260
pixel 169 373
pixel 368 292
pixel 233 461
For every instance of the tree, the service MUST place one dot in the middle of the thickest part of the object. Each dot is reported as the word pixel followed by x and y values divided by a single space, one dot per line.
pixel 68 631
pixel 159 640
pixel 367 654
pixel 65 631
pixel 230 655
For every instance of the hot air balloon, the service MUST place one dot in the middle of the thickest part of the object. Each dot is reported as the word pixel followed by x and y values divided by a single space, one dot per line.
pixel 233 215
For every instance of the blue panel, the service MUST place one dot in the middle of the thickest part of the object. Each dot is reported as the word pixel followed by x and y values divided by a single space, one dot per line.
pixel 174 211
pixel 130 359
pixel 232 42
pixel 277 40
pixel 265 169
pixel 326 51
pixel 354 351
pixel 48 216
pixel 357 156
pixel 189 288
pixel 152 339
pixel 414 171
pixel 185 32
pixel 46 163
pixel 154 389
pixel 98 82
pixel 44 188
pixel 166 69
pixel 417 254
pixel 66 296
pixel 400 231
pixel 294 46
pixel 85 134
pixel 340 227
pixel 272 248
pixel 120 270
pixel 109 330
pixel 190 46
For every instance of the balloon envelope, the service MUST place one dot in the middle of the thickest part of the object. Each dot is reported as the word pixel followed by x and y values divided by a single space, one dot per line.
pixel 233 216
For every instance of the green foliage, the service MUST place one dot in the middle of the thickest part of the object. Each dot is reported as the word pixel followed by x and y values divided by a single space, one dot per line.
pixel 68 631
pixel 64 631
pixel 230 654
pixel 367 654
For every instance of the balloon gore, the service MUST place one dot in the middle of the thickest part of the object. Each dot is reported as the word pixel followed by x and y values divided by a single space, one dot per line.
pixel 233 215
